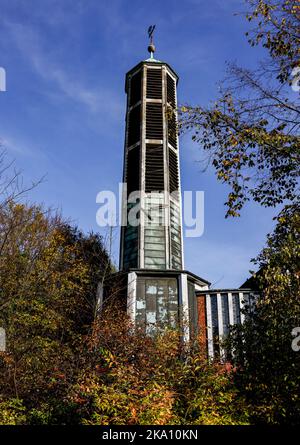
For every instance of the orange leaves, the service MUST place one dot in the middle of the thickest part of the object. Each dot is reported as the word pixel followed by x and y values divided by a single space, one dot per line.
pixel 100 369
pixel 133 415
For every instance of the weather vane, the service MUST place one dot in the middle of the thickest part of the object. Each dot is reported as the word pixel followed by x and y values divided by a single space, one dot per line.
pixel 151 47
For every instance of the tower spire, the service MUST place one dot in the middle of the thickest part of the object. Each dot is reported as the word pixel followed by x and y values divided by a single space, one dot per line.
pixel 151 47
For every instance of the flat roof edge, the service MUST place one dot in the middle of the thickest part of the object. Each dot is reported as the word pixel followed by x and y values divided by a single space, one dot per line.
pixel 169 271
pixel 235 290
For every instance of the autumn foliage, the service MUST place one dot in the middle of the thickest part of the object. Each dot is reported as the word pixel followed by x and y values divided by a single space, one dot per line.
pixel 69 360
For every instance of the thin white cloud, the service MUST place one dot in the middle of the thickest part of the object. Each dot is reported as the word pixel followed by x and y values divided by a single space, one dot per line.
pixel 16 146
pixel 93 98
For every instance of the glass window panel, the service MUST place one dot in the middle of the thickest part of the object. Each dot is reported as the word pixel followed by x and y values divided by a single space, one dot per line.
pixel 225 313
pixel 236 308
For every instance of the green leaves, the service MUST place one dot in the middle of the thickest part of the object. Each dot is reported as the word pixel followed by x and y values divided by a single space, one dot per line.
pixel 49 274
pixel 267 367
pixel 251 132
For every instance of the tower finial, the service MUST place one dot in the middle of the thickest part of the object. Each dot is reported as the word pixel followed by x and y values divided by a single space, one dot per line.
pixel 151 47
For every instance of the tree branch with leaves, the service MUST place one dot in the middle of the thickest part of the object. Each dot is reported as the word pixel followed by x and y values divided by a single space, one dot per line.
pixel 251 132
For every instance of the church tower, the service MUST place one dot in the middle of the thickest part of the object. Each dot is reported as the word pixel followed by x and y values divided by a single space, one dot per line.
pixel 151 245
pixel 151 166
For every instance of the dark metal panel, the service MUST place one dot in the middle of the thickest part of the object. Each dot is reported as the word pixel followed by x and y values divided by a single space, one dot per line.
pixel 173 171
pixel 154 83
pixel 135 88
pixel 133 170
pixel 130 252
pixel 134 125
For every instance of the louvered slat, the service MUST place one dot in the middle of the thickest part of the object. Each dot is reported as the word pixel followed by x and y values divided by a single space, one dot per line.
pixel 154 174
pixel 154 84
pixel 171 98
pixel 172 129
pixel 154 121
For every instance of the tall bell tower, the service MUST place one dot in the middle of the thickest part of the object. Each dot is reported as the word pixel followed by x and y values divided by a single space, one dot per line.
pixel 151 247
pixel 151 168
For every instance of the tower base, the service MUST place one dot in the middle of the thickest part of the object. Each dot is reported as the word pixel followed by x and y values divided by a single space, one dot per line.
pixel 160 298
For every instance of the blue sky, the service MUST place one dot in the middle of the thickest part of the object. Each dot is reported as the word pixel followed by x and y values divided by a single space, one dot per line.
pixel 63 112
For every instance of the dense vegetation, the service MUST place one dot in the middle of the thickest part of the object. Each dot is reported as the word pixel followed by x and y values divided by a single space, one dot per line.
pixel 267 365
pixel 68 363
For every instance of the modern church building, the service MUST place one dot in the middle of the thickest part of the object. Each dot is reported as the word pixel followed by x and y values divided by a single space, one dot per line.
pixel 159 289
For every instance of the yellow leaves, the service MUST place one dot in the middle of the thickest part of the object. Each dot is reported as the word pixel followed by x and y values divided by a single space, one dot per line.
pixel 12 412
pixel 108 356
pixel 19 208
pixel 233 141
pixel 223 176
pixel 227 162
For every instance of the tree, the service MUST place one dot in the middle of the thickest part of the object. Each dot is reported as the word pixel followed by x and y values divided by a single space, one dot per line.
pixel 267 366
pixel 251 133
pixel 48 278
